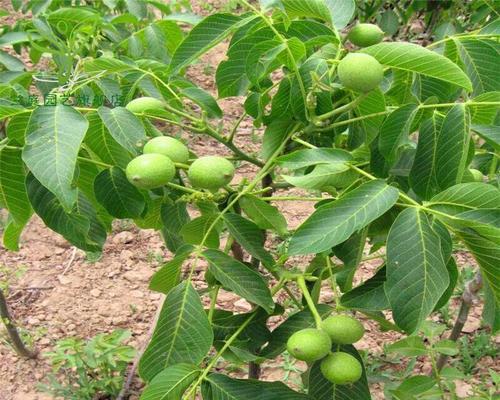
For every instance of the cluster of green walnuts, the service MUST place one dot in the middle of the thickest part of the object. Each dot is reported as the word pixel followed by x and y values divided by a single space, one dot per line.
pixel 313 344
pixel 156 167
pixel 358 71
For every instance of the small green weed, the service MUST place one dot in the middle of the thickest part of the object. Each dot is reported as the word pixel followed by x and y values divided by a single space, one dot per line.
pixel 86 370
pixel 473 348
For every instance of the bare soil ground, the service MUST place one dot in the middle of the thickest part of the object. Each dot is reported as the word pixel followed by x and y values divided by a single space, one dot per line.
pixel 62 294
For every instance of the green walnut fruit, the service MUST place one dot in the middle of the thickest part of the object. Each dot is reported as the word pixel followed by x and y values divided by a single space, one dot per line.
pixel 341 368
pixel 477 175
pixel 343 329
pixel 168 146
pixel 364 35
pixel 142 104
pixel 309 344
pixel 150 171
pixel 210 172
pixel 360 72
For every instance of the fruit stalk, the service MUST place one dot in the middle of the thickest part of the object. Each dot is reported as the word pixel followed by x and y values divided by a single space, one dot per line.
pixel 342 109
pixel 305 292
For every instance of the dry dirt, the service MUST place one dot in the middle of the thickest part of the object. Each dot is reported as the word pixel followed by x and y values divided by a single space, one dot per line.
pixel 62 294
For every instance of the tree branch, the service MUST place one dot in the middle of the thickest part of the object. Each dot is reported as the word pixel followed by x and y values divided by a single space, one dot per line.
pixel 12 331
pixel 470 292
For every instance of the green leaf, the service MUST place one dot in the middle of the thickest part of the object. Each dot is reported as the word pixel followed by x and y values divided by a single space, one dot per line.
pixel 249 236
pixel 321 176
pixel 8 109
pixel 11 38
pixel 366 130
pixel 485 114
pixel 322 389
pixel 10 62
pixel 17 126
pixel 80 227
pixel 416 385
pixel 487 255
pixel 412 346
pixel 205 35
pixel 171 383
pixel 152 218
pixel 466 196
pixel 183 333
pixel 307 157
pixel 423 173
pixel 124 127
pixel 453 273
pixel 275 133
pixel 137 8
pixel 11 235
pixel 231 75
pixel 108 64
pixel 350 253
pixel 310 8
pixel 204 100
pixel 239 278
pixel 222 387
pixel 168 276
pixel 101 143
pixel 312 66
pixel 480 57
pixel 335 222
pixel 491 309
pixel 117 195
pixel 415 58
pixel 416 272
pixel 452 147
pixel 53 139
pixel 13 194
pixel 296 322
pixel 485 222
pixel 370 295
pixel 263 214
pixel 194 231
pixel 174 216
pixel 341 11
pixel 395 130
pixel 490 133
pixel 446 346
pixel 262 56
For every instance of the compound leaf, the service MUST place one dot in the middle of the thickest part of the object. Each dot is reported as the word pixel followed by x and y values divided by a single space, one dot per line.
pixel 53 139
pixel 415 58
pixel 335 222
pixel 171 383
pixel 239 278
pixel 124 127
pixel 452 147
pixel 249 236
pixel 263 214
pixel 423 172
pixel 206 34
pixel 416 272
pixel 183 333
pixel 117 195
pixel 222 387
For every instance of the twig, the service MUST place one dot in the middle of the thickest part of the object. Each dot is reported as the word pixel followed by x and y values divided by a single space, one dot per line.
pixel 16 340
pixel 71 259
pixel 470 292
pixel 137 359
